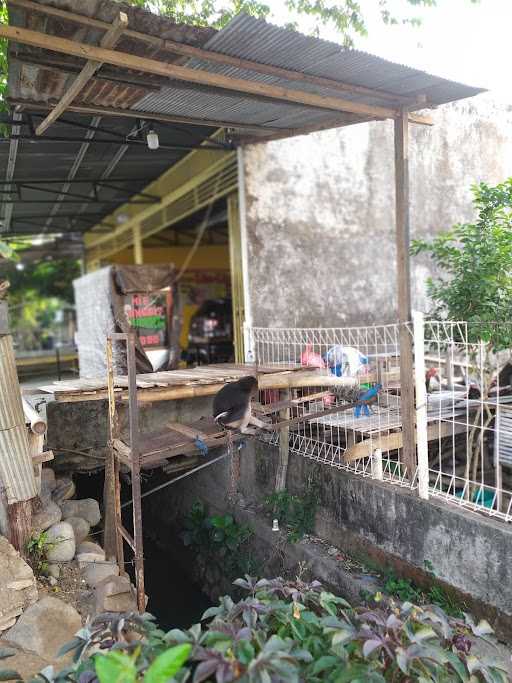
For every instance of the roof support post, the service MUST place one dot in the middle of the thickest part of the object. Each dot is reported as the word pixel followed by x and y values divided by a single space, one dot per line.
pixel 138 251
pixel 404 291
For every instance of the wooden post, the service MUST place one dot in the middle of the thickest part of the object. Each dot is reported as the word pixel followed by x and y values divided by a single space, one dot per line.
pixel 377 469
pixel 404 290
pixel 16 469
pixel 110 535
pixel 421 404
pixel 138 251
pixel 284 443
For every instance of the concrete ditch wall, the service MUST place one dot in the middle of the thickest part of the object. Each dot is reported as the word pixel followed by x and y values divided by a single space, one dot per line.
pixel 373 521
pixel 368 519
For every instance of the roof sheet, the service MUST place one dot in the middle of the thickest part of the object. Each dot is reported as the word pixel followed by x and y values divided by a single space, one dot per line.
pixel 39 76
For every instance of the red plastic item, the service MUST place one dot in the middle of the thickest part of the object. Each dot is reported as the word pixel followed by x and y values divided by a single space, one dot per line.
pixel 310 359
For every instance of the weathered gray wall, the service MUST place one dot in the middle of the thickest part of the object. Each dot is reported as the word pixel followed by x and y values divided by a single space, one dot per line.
pixel 369 519
pixel 320 211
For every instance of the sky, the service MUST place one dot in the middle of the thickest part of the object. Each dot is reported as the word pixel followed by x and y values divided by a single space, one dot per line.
pixel 458 40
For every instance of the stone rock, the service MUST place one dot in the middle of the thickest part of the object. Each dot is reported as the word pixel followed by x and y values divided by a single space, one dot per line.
pixel 87 508
pixel 95 572
pixel 52 581
pixel 81 528
pixel 61 540
pixel 18 588
pixel 89 552
pixel 48 478
pixel 64 490
pixel 54 570
pixel 45 627
pixel 115 594
pixel 90 547
pixel 50 514
pixel 27 664
pixel 113 585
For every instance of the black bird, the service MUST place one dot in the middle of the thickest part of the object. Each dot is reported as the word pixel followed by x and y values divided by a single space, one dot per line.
pixel 232 405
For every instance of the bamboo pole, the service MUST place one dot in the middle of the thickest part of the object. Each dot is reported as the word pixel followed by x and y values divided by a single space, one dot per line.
pixel 32 418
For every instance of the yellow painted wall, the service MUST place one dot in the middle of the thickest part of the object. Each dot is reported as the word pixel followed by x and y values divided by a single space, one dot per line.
pixel 207 258
pixel 214 257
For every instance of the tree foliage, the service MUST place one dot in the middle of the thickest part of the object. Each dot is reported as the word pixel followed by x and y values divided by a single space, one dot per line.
pixel 475 267
pixel 346 17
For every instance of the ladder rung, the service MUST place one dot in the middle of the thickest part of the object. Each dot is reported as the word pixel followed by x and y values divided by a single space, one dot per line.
pixel 127 536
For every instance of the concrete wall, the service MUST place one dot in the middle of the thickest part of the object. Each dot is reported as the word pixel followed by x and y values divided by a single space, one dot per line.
pixel 468 551
pixel 370 520
pixel 320 211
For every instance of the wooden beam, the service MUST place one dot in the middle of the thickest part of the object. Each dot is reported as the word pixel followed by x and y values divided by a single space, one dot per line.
pixel 148 116
pixel 284 443
pixel 187 75
pixel 219 58
pixel 393 441
pixel 404 291
pixel 338 122
pixel 109 40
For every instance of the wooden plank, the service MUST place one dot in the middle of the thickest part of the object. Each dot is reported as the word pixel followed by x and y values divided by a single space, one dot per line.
pixel 394 441
pixel 284 443
pixel 335 122
pixel 188 75
pixel 109 40
pixel 219 58
pixel 150 116
pixel 186 430
pixel 404 290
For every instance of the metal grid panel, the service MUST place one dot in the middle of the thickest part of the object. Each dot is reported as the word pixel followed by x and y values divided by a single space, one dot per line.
pixel 344 439
pixel 469 465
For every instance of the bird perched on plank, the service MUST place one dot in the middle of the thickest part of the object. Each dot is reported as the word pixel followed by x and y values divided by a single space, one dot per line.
pixel 367 397
pixel 232 405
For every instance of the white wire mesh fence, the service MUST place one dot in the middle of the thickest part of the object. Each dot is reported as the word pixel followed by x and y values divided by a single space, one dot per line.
pixel 463 405
pixel 469 411
pixel 355 439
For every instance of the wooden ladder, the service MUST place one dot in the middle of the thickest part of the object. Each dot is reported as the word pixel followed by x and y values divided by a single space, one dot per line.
pixel 115 532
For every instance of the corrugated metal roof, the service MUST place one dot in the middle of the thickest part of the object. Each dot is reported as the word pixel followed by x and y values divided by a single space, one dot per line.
pixel 39 76
pixel 254 39
pixel 42 76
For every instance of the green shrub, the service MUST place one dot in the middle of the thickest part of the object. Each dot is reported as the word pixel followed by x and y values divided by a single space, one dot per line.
pixel 283 632
pixel 219 539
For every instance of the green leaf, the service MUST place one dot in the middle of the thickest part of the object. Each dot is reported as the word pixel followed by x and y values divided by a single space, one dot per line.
pixel 324 663
pixel 70 646
pixel 167 664
pixel 115 667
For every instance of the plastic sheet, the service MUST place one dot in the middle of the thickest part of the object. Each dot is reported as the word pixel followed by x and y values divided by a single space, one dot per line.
pixel 102 300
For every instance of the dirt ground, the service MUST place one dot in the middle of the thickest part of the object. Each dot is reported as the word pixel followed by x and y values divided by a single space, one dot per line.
pixel 70 587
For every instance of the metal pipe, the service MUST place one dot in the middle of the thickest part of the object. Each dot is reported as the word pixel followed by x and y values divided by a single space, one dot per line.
pixel 182 476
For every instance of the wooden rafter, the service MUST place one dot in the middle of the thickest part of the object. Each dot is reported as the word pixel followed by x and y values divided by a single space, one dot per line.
pixel 218 58
pixel 196 76
pixel 109 40
pixel 150 116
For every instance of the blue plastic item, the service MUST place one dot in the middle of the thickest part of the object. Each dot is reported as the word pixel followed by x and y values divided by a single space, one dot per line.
pixel 488 498
pixel 201 446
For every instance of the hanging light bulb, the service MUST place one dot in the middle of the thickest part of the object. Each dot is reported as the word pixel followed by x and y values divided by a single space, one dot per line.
pixel 275 525
pixel 152 139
